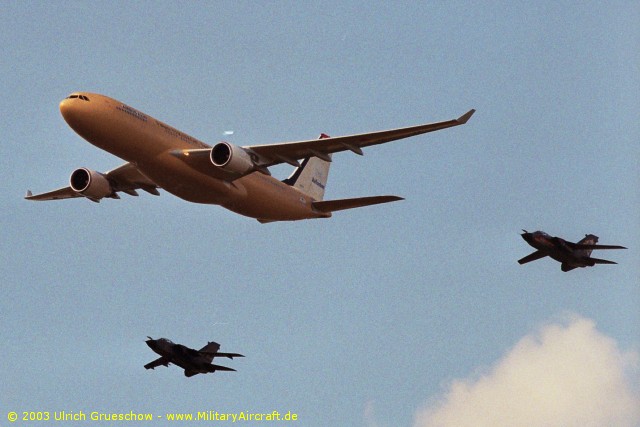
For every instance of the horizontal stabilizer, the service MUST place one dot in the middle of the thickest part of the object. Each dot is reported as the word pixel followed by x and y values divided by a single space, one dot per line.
pixel 213 368
pixel 329 206
pixel 601 261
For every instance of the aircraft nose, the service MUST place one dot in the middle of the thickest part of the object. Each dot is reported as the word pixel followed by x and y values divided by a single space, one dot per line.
pixel 64 106
pixel 74 107
pixel 68 109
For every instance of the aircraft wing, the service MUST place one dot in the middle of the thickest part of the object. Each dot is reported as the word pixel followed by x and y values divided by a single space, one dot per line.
pixel 583 246
pixel 228 355
pixel 126 178
pixel 59 194
pixel 290 152
pixel 532 257
pixel 162 361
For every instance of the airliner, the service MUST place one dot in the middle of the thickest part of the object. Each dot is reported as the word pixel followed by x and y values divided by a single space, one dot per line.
pixel 237 178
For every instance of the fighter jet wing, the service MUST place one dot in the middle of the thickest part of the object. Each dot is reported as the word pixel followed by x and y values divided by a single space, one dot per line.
pixel 126 178
pixel 583 246
pixel 162 361
pixel 228 355
pixel 532 257
pixel 290 152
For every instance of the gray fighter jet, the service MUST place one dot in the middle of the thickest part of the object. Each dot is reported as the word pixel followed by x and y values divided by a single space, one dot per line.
pixel 571 255
pixel 192 361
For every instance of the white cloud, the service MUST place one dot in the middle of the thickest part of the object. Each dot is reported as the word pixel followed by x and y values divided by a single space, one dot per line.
pixel 566 375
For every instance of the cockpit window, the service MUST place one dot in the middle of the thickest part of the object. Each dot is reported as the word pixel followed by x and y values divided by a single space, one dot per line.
pixel 74 96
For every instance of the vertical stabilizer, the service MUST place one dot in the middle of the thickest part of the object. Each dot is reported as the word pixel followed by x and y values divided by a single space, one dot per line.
pixel 210 350
pixel 589 239
pixel 311 176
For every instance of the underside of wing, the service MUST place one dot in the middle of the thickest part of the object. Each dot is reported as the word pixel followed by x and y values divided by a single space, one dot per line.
pixel 329 206
pixel 59 194
pixel 96 186
pixel 162 361
pixel 128 178
pixel 532 257
pixel 289 152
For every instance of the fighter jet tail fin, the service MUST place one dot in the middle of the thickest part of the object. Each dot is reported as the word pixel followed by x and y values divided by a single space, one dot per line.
pixel 211 347
pixel 210 350
pixel 585 246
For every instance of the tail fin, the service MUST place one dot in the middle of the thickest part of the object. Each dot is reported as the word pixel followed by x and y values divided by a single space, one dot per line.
pixel 311 176
pixel 210 350
pixel 589 239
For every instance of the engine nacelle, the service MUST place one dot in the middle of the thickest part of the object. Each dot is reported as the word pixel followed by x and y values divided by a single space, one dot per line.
pixel 90 184
pixel 232 159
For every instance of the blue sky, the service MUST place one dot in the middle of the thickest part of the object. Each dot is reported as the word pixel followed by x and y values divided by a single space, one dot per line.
pixel 378 316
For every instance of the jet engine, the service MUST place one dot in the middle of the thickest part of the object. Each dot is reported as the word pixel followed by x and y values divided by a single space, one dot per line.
pixel 232 159
pixel 90 184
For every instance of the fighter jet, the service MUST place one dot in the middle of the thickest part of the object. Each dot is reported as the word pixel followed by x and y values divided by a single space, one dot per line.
pixel 192 361
pixel 571 255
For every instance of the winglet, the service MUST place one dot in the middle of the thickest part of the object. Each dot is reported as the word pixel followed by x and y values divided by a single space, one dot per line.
pixel 465 117
pixel 29 194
